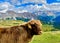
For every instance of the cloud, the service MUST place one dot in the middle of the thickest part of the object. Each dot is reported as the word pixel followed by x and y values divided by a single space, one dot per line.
pixel 32 8
pixel 21 11
pixel 54 6
pixel 5 7
pixel 29 8
pixel 19 2
pixel 15 2
pixel 34 1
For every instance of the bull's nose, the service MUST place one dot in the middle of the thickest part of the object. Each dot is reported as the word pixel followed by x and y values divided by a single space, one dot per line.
pixel 40 32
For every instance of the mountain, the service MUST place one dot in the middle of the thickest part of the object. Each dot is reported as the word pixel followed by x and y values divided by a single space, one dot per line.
pixel 13 14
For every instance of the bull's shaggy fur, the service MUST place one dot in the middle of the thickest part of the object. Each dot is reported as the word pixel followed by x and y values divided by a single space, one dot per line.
pixel 20 34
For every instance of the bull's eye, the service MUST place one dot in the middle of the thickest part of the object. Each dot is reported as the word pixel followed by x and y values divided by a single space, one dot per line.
pixel 33 25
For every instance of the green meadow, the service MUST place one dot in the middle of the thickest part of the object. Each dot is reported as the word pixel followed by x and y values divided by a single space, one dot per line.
pixel 8 23
pixel 47 36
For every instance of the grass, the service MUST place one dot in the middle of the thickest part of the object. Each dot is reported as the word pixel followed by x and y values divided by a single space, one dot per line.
pixel 7 23
pixel 47 37
pixel 47 27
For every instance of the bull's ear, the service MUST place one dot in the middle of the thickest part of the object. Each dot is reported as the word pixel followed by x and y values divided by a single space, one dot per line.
pixel 29 26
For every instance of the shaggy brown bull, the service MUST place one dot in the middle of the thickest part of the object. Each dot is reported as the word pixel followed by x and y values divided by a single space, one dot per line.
pixel 20 34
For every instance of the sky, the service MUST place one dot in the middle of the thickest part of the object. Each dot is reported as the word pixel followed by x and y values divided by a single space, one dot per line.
pixel 29 5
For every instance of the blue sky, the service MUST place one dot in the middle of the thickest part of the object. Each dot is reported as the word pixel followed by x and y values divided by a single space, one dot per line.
pixel 53 1
pixel 29 5
pixel 48 1
pixel 22 0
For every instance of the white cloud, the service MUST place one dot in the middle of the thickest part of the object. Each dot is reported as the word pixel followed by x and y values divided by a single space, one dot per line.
pixel 32 8
pixel 17 2
pixel 44 7
pixel 22 11
pixel 29 8
pixel 53 6
pixel 34 1
pixel 5 6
